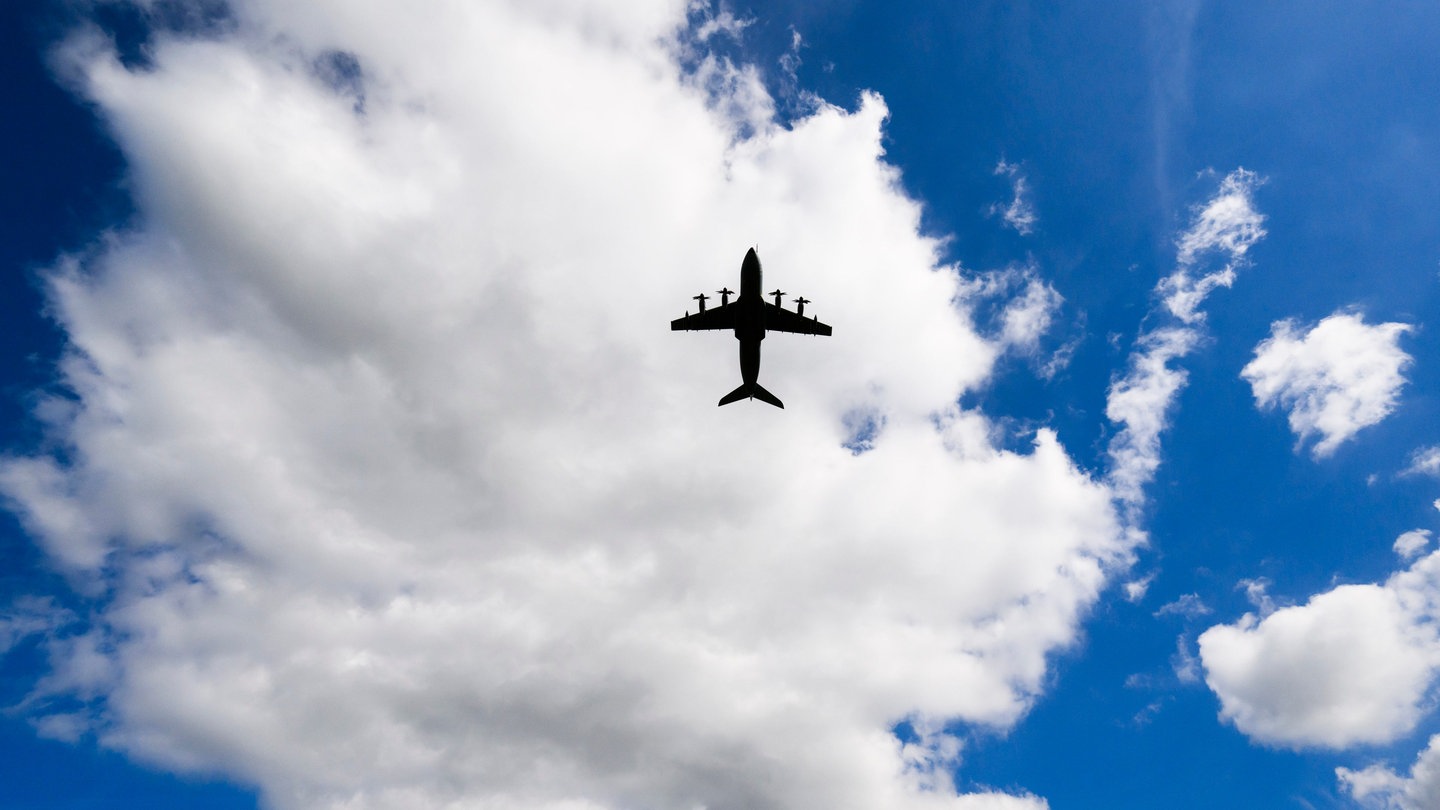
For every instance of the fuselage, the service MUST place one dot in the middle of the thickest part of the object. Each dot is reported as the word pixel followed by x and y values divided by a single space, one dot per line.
pixel 750 317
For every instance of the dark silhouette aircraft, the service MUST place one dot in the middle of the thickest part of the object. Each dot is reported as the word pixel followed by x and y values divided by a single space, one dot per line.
pixel 751 317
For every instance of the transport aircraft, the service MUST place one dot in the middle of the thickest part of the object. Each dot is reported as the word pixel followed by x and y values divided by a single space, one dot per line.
pixel 751 316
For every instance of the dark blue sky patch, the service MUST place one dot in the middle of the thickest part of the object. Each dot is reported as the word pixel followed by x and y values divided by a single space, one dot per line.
pixel 131 29
pixel 63 184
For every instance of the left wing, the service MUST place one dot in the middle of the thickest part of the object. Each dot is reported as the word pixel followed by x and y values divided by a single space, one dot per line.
pixel 722 317
pixel 783 320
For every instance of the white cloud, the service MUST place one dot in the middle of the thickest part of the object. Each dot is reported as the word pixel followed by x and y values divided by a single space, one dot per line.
pixel 1411 543
pixel 1424 461
pixel 1379 787
pixel 1189 606
pixel 713 23
pixel 1135 590
pixel 1020 212
pixel 1227 224
pixel 1334 379
pixel 1257 593
pixel 30 616
pixel 1140 402
pixel 407 497
pixel 1184 663
pixel 1028 306
pixel 1353 665
pixel 1223 230
pixel 1028 317
pixel 66 727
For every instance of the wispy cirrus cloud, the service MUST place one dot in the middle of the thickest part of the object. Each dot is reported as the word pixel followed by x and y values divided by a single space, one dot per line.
pixel 1222 230
pixel 1188 605
pixel 1019 213
pixel 31 616
pixel 1424 461
pixel 1221 233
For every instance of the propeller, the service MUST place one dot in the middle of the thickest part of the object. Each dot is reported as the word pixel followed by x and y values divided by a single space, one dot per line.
pixel 725 295
pixel 701 298
pixel 800 305
pixel 777 293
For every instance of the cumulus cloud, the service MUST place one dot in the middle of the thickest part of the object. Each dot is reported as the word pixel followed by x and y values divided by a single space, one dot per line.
pixel 403 495
pixel 1019 213
pixel 1221 232
pixel 1352 665
pixel 1335 378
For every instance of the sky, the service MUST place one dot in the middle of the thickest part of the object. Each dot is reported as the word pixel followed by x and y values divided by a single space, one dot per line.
pixel 348 461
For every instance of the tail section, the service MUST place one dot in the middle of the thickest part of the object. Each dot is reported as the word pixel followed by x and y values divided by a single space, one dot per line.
pixel 751 391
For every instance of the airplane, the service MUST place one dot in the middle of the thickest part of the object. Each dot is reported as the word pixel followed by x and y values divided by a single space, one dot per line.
pixel 751 317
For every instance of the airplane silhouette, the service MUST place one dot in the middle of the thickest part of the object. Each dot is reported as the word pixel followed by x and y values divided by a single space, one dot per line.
pixel 751 317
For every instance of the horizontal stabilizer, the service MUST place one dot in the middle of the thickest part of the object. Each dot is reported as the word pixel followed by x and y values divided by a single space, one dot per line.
pixel 751 391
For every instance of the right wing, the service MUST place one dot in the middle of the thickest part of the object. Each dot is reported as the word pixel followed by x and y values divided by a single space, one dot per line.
pixel 783 320
pixel 721 317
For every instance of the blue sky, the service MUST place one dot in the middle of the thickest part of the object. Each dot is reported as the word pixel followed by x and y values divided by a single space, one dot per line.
pixel 342 463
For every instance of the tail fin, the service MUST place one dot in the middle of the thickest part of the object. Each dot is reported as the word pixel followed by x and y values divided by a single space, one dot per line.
pixel 751 391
